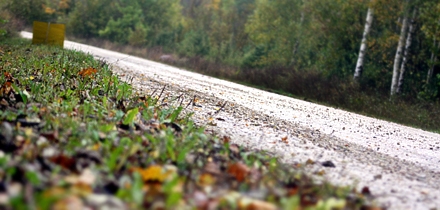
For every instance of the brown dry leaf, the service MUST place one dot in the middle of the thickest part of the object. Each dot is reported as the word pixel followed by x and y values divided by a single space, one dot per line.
pixel 52 136
pixel 64 161
pixel 6 88
pixel 238 170
pixel 226 139
pixel 310 162
pixel 284 140
pixel 88 72
pixel 292 190
pixel 8 76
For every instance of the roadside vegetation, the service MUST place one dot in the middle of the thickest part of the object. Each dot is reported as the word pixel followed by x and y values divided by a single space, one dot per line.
pixel 72 135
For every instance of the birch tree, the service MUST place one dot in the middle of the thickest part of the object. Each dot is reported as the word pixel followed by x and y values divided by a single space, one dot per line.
pixel 362 51
pixel 398 56
pixel 430 26
pixel 405 53
pixel 433 59
pixel 433 62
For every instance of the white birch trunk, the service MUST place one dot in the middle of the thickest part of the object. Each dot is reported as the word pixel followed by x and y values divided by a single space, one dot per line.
pixel 405 53
pixel 296 46
pixel 362 51
pixel 398 56
pixel 433 59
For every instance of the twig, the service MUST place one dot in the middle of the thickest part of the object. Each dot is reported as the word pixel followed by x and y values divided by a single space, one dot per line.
pixel 152 94
pixel 181 102
pixel 160 95
pixel 191 102
pixel 223 106
pixel 161 92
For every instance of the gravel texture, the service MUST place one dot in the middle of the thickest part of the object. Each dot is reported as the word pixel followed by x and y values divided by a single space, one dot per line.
pixel 400 165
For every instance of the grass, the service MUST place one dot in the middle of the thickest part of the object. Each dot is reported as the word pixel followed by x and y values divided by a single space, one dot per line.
pixel 312 86
pixel 73 135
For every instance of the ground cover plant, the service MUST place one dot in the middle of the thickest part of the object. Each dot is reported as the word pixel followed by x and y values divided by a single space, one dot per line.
pixel 72 135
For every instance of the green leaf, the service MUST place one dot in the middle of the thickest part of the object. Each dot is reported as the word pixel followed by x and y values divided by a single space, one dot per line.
pixel 32 177
pixel 176 113
pixel 136 189
pixel 173 196
pixel 130 116
pixel 113 159
pixel 291 203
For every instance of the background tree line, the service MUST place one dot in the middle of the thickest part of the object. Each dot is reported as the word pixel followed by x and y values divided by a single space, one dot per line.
pixel 385 46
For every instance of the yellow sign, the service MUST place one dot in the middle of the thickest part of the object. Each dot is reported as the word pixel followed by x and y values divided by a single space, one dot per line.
pixel 48 33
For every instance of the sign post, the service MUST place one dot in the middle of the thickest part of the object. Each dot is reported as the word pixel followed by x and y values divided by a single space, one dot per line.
pixel 48 33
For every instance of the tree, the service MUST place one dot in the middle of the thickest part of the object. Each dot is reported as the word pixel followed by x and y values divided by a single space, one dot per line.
pixel 28 10
pixel 362 51
pixel 276 25
pixel 398 56
pixel 430 18
pixel 88 17
pixel 406 52
pixel 122 29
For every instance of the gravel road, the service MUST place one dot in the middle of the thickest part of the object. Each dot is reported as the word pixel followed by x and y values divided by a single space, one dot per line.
pixel 400 165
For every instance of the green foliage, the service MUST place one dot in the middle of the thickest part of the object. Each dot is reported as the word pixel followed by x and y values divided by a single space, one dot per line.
pixel 134 22
pixel 89 17
pixel 130 22
pixel 138 36
pixel 29 10
pixel 195 43
pixel 3 31
pixel 253 58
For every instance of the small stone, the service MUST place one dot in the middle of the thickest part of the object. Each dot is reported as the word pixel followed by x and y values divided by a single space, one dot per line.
pixel 6 132
pixel 328 164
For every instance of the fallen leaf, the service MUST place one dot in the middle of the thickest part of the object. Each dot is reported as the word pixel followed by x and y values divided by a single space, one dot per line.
pixel 88 72
pixel 152 173
pixel 6 88
pixel 206 180
pixel 238 170
pixel 310 162
pixel 64 161
pixel 226 139
pixel 8 76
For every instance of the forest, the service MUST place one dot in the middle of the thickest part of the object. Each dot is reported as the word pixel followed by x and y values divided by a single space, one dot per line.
pixel 348 53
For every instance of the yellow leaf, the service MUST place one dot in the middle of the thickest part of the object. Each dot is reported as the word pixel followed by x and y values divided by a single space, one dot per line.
pixel 152 173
